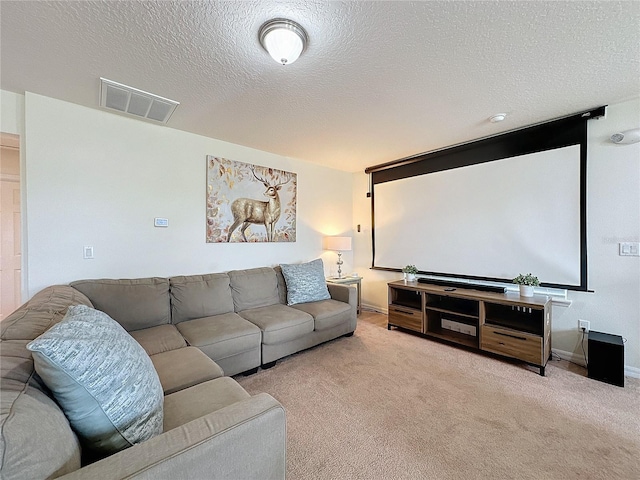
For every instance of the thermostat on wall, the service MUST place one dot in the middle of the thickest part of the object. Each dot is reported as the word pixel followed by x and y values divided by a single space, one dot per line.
pixel 160 222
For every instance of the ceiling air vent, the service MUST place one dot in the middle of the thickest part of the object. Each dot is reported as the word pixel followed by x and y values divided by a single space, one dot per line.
pixel 138 103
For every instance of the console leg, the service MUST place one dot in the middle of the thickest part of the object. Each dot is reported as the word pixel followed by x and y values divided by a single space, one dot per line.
pixel 388 326
pixel 269 365
pixel 542 371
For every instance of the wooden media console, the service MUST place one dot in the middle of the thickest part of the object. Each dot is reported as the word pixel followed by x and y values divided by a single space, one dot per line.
pixel 501 323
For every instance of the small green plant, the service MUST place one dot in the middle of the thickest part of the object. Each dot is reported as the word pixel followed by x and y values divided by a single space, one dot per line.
pixel 410 269
pixel 527 279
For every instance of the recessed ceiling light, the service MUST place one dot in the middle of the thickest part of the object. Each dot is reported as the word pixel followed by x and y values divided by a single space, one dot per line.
pixel 498 117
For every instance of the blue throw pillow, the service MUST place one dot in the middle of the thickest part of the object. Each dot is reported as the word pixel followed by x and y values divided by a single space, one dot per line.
pixel 102 378
pixel 305 282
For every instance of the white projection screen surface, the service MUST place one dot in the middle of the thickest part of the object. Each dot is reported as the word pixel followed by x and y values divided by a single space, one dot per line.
pixel 491 220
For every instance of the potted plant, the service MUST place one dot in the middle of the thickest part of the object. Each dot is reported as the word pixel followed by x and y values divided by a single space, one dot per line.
pixel 526 284
pixel 410 273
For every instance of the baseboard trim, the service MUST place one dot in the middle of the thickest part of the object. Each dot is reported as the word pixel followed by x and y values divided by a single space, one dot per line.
pixel 631 371
pixel 374 308
pixel 579 359
pixel 570 356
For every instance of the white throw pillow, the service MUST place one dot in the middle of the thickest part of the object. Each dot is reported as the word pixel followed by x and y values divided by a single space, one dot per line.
pixel 305 282
pixel 102 378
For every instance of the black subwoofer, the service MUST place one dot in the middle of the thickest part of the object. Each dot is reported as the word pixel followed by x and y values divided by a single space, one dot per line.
pixel 606 358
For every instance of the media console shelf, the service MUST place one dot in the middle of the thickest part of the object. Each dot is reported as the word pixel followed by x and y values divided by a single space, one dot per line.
pixel 501 323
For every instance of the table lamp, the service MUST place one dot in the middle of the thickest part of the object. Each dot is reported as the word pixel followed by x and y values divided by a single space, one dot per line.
pixel 338 244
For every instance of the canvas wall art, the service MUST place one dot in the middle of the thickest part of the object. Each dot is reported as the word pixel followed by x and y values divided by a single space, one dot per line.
pixel 249 203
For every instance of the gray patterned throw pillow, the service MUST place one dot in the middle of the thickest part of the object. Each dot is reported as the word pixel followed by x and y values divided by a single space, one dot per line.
pixel 102 378
pixel 305 282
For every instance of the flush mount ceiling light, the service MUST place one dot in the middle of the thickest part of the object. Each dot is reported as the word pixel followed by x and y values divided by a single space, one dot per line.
pixel 284 39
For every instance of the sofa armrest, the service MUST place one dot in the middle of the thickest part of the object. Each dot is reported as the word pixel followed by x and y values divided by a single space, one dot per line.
pixel 343 293
pixel 347 294
pixel 244 440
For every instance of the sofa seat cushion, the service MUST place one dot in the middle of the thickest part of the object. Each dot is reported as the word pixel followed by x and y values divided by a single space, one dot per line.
pixel 102 378
pixel 199 296
pixel 326 313
pixel 183 368
pixel 195 402
pixel 159 339
pixel 279 323
pixel 133 303
pixel 221 336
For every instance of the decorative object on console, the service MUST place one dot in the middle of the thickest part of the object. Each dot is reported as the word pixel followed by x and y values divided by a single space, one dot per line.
pixel 260 202
pixel 526 284
pixel 305 282
pixel 410 272
pixel 112 401
pixel 283 39
pixel 339 244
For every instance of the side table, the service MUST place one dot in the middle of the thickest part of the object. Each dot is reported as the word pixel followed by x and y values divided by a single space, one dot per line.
pixel 357 281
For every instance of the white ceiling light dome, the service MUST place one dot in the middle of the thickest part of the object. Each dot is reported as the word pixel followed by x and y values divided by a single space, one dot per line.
pixel 285 40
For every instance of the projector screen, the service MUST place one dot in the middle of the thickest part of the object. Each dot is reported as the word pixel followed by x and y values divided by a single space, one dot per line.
pixel 490 209
pixel 493 220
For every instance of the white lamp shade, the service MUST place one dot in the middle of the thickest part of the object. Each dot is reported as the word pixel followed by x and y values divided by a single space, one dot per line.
pixel 284 45
pixel 340 244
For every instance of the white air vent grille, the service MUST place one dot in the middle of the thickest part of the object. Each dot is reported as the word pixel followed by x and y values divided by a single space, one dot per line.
pixel 138 103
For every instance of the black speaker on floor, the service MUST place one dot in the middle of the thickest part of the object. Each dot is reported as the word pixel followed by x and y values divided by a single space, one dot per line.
pixel 606 358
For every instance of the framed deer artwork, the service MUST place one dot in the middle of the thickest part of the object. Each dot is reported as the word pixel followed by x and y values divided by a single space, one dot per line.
pixel 249 203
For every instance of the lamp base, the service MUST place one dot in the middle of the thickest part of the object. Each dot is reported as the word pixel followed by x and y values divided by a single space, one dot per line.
pixel 340 262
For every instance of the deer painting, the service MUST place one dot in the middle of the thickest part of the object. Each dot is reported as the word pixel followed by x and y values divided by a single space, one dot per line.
pixel 247 211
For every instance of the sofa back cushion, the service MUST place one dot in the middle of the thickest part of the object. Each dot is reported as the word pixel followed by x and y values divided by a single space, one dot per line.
pixel 36 440
pixel 253 288
pixel 41 312
pixel 134 304
pixel 198 296
pixel 282 285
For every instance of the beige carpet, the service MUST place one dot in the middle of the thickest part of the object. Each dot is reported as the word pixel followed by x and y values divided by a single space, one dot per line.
pixel 390 405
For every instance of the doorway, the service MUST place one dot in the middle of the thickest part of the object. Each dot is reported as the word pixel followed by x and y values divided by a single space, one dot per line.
pixel 10 225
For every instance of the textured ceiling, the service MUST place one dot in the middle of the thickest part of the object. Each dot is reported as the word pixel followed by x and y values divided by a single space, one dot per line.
pixel 379 80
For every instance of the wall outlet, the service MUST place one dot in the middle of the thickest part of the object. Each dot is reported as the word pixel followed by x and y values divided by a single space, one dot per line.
pixel 584 325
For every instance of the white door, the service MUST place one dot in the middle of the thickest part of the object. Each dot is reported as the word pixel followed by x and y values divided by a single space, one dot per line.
pixel 10 228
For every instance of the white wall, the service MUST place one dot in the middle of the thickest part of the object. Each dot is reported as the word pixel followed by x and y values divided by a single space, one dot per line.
pixel 97 178
pixel 613 215
pixel 11 112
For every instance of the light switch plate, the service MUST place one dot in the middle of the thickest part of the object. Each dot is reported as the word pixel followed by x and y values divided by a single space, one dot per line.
pixel 160 222
pixel 87 252
pixel 630 249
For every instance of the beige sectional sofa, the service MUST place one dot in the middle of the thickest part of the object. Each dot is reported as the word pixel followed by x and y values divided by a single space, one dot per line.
pixel 198 331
